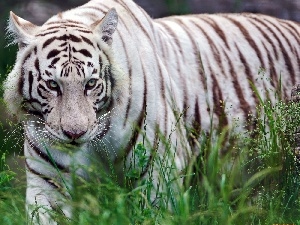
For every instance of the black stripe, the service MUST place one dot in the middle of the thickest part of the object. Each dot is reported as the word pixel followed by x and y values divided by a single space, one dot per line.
pixel 111 78
pixel 197 117
pixel 249 39
pixel 53 27
pixel 138 22
pixel 21 81
pixel 47 111
pixel 53 53
pixel 54 61
pixel 196 124
pixel 106 77
pixel 218 101
pixel 26 58
pixel 192 40
pixel 214 48
pixel 100 63
pixel 30 83
pixel 47 33
pixel 41 94
pixel 287 57
pixel 63 44
pixel 77 70
pixel 64 37
pixel 84 52
pixel 216 52
pixel 216 28
pixel 74 38
pixel 47 179
pixel 266 36
pixel 74 26
pixel 163 95
pixel 103 52
pixel 84 31
pixel 244 105
pixel 95 71
pixel 35 113
pixel 282 48
pixel 153 152
pixel 176 49
pixel 149 20
pixel 139 123
pixel 22 78
pixel 87 40
pixel 168 28
pixel 48 42
pixel 248 72
pixel 66 23
pixel 274 80
pixel 37 67
pixel 292 30
pixel 130 81
pixel 40 86
pixel 163 46
pixel 100 90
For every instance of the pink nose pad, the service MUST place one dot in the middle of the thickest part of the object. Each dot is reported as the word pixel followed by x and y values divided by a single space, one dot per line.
pixel 73 135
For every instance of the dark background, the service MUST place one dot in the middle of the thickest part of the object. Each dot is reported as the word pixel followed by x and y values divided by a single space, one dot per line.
pixel 38 11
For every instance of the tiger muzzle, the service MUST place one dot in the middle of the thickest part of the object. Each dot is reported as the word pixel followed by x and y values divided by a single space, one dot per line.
pixel 74 134
pixel 75 115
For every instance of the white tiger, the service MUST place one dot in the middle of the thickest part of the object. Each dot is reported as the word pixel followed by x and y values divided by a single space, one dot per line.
pixel 91 74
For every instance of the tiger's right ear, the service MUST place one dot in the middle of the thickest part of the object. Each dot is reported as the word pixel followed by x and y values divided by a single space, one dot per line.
pixel 20 30
pixel 107 26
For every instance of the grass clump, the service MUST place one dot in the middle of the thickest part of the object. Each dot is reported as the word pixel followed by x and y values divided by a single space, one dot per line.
pixel 254 181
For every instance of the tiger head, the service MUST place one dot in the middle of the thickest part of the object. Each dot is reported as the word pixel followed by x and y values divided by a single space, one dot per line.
pixel 63 74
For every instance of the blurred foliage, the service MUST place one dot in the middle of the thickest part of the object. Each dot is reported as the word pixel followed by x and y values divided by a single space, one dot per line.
pixel 177 7
pixel 7 54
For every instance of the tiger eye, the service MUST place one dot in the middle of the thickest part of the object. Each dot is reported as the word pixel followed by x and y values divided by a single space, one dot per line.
pixel 52 84
pixel 91 83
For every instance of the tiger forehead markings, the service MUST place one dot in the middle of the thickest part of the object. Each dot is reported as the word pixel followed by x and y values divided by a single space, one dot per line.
pixel 71 75
pixel 94 76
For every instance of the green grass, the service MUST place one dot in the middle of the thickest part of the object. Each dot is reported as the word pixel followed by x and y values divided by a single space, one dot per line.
pixel 255 181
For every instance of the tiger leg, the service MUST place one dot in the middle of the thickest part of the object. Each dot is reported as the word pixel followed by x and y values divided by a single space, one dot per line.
pixel 43 201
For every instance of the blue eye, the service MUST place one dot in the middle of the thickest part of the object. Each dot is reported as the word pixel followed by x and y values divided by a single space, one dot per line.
pixel 53 85
pixel 91 83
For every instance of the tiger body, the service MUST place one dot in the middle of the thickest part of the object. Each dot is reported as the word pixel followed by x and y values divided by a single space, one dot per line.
pixel 89 82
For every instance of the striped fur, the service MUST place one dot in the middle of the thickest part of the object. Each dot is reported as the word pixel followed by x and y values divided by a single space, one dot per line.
pixel 128 70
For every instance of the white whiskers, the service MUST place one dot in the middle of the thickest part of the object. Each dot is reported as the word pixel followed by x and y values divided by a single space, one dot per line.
pixel 102 138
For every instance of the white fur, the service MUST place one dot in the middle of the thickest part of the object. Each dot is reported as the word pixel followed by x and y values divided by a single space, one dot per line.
pixel 161 55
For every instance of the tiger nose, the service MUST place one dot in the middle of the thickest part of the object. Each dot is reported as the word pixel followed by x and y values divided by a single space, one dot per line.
pixel 73 135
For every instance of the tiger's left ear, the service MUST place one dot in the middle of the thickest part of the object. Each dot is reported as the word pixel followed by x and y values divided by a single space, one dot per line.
pixel 107 26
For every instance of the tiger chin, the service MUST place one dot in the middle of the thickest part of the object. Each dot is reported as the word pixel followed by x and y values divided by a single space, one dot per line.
pixel 106 74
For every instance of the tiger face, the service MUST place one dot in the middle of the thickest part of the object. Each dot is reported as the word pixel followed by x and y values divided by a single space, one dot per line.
pixel 65 76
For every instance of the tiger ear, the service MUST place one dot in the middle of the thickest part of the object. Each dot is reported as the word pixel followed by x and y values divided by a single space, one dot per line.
pixel 22 31
pixel 106 26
